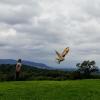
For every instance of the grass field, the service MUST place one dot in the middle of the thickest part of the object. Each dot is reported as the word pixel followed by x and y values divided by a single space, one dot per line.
pixel 50 90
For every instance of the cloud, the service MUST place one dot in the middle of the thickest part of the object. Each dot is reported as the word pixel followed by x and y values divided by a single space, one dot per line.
pixel 34 29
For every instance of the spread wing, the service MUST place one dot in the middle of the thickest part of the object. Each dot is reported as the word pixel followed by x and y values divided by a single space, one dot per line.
pixel 65 52
pixel 58 54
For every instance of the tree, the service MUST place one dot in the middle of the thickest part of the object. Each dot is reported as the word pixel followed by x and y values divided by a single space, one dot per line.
pixel 86 67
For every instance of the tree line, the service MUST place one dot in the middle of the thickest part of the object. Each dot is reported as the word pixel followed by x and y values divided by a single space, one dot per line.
pixel 84 70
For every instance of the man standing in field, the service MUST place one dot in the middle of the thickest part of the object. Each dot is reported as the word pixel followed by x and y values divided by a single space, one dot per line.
pixel 18 69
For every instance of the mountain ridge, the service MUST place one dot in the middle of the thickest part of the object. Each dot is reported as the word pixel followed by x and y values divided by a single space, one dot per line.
pixel 25 62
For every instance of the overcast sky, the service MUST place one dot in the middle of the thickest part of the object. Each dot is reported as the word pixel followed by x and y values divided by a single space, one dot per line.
pixel 34 29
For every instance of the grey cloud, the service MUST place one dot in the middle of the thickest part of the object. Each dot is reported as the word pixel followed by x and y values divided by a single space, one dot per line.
pixel 92 8
pixel 18 14
pixel 41 27
pixel 3 45
pixel 16 2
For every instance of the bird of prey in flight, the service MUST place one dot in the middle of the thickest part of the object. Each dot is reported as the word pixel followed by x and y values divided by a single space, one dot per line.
pixel 61 56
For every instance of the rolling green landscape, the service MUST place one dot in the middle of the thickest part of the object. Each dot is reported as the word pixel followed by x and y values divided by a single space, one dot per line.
pixel 50 90
pixel 49 84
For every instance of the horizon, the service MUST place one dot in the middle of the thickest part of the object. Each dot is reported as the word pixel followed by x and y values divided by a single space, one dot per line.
pixel 39 63
pixel 68 67
pixel 34 29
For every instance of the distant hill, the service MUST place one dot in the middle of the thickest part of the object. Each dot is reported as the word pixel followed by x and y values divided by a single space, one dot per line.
pixel 67 69
pixel 24 62
pixel 7 73
pixel 35 64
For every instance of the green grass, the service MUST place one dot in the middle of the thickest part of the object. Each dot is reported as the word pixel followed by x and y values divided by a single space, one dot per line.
pixel 50 90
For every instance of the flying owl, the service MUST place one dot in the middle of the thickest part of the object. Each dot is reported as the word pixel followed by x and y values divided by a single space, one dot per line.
pixel 61 56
